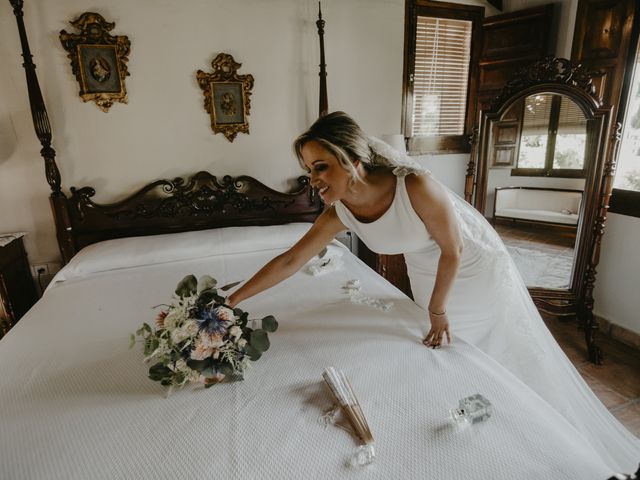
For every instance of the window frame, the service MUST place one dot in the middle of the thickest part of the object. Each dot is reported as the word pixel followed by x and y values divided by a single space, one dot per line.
pixel 548 170
pixel 418 145
pixel 622 201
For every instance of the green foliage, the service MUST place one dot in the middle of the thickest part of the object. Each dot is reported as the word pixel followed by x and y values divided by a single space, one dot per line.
pixel 187 286
pixel 159 371
pixel 226 369
pixel 567 159
pixel 206 297
pixel 169 347
pixel 259 340
pixel 269 323
pixel 230 285
pixel 206 282
pixel 632 180
pixel 253 353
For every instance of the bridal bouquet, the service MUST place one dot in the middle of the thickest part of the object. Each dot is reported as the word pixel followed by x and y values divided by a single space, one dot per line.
pixel 199 339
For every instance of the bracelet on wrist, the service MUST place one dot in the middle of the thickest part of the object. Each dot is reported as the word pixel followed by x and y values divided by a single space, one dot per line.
pixel 436 314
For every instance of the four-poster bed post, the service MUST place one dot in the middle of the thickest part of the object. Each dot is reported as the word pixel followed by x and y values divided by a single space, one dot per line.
pixel 324 106
pixel 43 131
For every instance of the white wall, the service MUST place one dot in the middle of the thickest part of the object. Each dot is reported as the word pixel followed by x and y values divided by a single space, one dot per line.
pixel 617 282
pixel 164 131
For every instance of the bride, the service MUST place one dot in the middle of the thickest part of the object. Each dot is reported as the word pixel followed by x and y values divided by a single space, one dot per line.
pixel 460 271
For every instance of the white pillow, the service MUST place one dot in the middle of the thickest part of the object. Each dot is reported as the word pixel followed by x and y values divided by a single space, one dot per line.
pixel 155 249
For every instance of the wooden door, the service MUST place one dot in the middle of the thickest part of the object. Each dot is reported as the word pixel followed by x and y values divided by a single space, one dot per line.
pixel 511 41
pixel 601 42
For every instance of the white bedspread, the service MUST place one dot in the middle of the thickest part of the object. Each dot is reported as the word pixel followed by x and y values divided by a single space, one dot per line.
pixel 76 403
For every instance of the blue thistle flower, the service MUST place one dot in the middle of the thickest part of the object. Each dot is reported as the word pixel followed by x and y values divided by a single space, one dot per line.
pixel 210 321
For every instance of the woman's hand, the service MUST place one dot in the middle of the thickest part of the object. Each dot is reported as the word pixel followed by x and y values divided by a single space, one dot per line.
pixel 439 328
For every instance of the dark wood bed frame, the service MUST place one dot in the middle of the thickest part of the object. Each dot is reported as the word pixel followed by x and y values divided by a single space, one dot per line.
pixel 196 202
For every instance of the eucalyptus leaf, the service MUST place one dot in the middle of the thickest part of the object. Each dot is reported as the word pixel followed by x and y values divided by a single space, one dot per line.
pixel 259 340
pixel 132 340
pixel 206 282
pixel 252 352
pixel 225 369
pixel 206 297
pixel 209 371
pixel 269 323
pixel 158 372
pixel 198 365
pixel 187 286
pixel 230 285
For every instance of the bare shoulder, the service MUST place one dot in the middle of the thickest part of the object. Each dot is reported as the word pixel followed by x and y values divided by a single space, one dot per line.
pixel 423 188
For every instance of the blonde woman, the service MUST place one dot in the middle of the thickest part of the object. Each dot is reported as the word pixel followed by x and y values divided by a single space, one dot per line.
pixel 461 273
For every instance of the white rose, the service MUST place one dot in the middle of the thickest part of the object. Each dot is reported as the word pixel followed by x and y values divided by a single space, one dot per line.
pixel 201 351
pixel 181 365
pixel 190 327
pixel 242 342
pixel 235 331
pixel 211 340
pixel 225 314
pixel 171 319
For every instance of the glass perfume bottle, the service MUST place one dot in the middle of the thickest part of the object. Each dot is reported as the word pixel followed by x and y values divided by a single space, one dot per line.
pixel 472 409
pixel 365 455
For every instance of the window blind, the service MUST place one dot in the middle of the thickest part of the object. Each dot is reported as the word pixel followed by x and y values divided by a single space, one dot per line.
pixel 537 115
pixel 571 120
pixel 441 76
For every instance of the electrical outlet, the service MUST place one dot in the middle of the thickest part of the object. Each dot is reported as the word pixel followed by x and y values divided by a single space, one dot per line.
pixel 40 269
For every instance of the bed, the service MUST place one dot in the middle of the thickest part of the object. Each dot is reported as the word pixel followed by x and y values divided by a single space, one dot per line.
pixel 75 400
pixel 76 403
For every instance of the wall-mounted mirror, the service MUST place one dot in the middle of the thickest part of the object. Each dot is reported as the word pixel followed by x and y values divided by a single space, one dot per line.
pixel 541 180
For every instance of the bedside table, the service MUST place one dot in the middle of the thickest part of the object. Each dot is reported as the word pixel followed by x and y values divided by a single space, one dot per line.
pixel 17 290
pixel 391 267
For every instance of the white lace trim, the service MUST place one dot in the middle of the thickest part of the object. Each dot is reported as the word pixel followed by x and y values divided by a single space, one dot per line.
pixel 387 156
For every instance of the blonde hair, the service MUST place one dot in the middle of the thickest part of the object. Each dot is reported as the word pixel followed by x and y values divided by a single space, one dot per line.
pixel 342 137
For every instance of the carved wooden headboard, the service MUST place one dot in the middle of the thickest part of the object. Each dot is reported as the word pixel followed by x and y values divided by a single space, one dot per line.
pixel 196 202
pixel 199 202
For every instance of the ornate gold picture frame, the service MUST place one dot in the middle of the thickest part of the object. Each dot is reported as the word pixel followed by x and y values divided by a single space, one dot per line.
pixel 226 96
pixel 98 60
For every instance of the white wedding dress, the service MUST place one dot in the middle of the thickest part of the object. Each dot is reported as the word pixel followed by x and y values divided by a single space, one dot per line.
pixel 490 307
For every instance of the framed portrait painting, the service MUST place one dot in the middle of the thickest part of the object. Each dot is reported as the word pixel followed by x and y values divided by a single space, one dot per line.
pixel 226 96
pixel 99 69
pixel 98 60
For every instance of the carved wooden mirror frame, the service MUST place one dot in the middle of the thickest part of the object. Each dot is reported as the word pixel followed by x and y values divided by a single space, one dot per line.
pixel 560 76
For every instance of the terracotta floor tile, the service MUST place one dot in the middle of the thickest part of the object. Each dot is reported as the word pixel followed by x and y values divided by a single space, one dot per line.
pixel 570 338
pixel 610 398
pixel 629 416
pixel 616 382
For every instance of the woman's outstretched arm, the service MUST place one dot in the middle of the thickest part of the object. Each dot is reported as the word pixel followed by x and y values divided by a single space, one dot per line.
pixel 325 228
pixel 432 204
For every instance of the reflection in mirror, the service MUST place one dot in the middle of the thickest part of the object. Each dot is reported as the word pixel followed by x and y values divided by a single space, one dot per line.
pixel 535 185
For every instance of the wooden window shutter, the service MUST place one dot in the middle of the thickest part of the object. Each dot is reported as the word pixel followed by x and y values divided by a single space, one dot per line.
pixel 441 74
